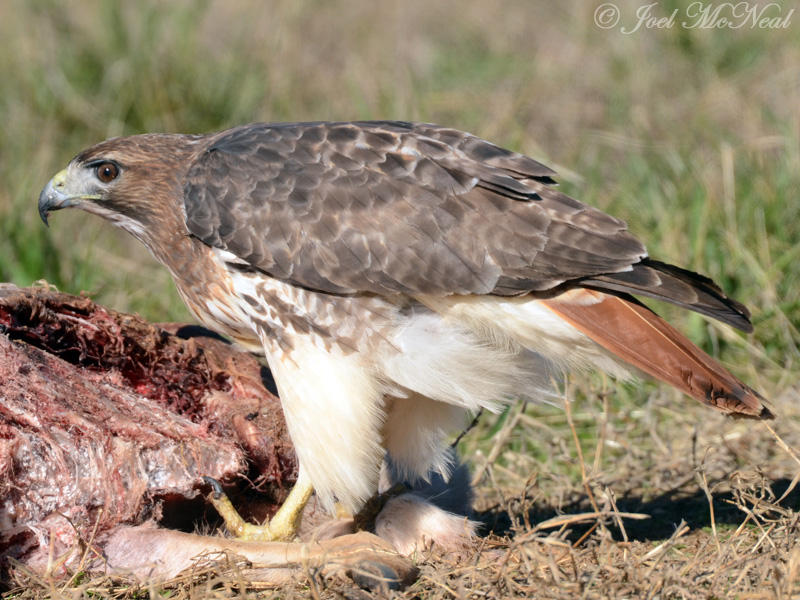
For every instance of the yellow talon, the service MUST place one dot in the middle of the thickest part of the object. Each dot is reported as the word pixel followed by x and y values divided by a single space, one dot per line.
pixel 283 525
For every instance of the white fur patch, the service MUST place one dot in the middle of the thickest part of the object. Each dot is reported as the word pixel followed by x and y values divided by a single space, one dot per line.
pixel 443 360
pixel 334 411
pixel 437 371
pixel 525 322
pixel 410 523
pixel 132 226
pixel 415 435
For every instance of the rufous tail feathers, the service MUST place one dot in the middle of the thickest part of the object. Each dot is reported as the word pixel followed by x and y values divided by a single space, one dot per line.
pixel 643 339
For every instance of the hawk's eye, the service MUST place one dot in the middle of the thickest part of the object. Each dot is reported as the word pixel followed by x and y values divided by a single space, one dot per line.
pixel 107 172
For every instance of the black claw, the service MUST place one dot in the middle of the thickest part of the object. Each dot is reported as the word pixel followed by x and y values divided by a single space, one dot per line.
pixel 216 486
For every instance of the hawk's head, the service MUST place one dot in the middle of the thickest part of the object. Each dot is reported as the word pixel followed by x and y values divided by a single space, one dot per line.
pixel 134 182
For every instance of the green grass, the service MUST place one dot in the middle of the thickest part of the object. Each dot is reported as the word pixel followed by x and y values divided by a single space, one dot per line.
pixel 692 136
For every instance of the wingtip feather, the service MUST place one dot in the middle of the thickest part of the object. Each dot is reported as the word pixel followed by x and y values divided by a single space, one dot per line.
pixel 678 286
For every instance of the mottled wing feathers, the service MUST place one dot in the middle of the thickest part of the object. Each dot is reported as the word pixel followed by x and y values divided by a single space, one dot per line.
pixel 395 207
pixel 388 207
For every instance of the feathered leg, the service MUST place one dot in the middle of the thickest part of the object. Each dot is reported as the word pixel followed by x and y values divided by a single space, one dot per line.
pixel 333 410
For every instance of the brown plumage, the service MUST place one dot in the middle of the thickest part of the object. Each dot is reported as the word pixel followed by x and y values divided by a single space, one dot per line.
pixel 310 203
pixel 396 275
pixel 643 339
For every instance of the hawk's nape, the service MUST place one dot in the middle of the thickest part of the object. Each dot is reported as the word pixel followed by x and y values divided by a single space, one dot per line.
pixel 396 276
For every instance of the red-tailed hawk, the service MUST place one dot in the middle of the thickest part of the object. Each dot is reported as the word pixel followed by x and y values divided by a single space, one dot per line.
pixel 397 276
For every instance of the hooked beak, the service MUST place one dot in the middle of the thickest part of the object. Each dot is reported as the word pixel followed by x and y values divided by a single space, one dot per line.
pixel 53 196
